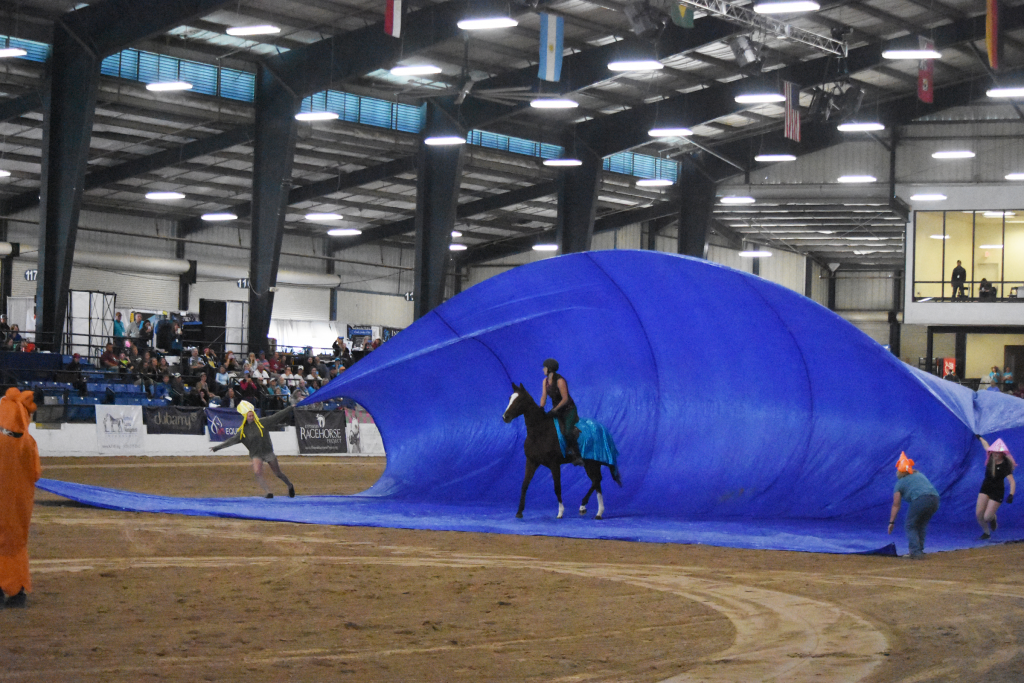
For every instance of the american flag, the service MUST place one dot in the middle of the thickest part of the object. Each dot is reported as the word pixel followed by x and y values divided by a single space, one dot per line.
pixel 792 93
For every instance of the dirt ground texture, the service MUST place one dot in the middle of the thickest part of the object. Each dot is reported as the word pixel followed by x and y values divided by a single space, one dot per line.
pixel 129 597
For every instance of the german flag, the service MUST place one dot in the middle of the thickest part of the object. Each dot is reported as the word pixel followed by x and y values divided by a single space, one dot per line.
pixel 992 42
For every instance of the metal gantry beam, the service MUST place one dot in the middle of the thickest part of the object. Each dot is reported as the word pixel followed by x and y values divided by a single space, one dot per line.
pixel 760 22
pixel 577 202
pixel 696 193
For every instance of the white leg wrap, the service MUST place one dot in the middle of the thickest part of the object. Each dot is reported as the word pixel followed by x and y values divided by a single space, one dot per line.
pixel 600 505
pixel 561 510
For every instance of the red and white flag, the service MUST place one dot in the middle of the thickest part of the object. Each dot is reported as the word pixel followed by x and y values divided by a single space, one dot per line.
pixel 393 18
pixel 926 73
pixel 792 93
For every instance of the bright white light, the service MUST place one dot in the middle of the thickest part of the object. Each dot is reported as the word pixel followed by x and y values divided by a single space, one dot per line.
pixel 169 86
pixel 485 23
pixel 856 179
pixel 441 140
pixel 916 55
pixel 324 216
pixel 1005 92
pixel 654 182
pixel 775 157
pixel 990 246
pixel 456 233
pixel 760 98
pixel 164 195
pixel 827 232
pixel 788 7
pixel 545 247
pixel 213 217
pixel 939 237
pixel 259 30
pixel 1015 176
pixel 12 52
pixel 5 174
pixel 415 70
pixel 636 65
pixel 953 154
pixel 737 200
pixel 669 132
pixel 755 254
pixel 563 162
pixel 859 126
pixel 927 197
pixel 457 247
pixel 553 103
pixel 998 214
pixel 344 232
pixel 316 116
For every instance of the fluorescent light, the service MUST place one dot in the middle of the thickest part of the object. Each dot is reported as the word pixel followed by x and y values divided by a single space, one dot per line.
pixel 169 86
pixel 442 140
pixel 760 98
pixel 669 132
pixel 1015 176
pixel 545 247
pixel 415 70
pixel 12 52
pixel 1005 92
pixel 259 30
pixel 737 200
pixel 213 217
pixel 316 116
pixel 775 157
pixel 788 7
pixel 938 237
pixel 5 174
pixel 927 197
pixel 344 232
pixel 553 103
pixel 324 216
pixel 916 55
pixel 827 232
pixel 636 65
pixel 997 214
pixel 990 246
pixel 457 247
pixel 654 182
pixel 485 23
pixel 859 126
pixel 953 154
pixel 856 179
pixel 456 233
pixel 755 254
pixel 563 162
pixel 164 195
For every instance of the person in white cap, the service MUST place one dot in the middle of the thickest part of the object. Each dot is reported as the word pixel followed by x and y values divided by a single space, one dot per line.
pixel 999 467
pixel 255 435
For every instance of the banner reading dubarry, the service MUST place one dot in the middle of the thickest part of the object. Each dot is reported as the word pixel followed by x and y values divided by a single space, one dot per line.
pixel 174 420
pixel 321 431
pixel 222 423
pixel 119 428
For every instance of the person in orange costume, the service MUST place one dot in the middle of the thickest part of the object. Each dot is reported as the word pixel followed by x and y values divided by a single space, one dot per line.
pixel 19 471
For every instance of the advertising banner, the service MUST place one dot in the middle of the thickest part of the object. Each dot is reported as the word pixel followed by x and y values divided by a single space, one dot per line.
pixel 321 431
pixel 174 420
pixel 363 436
pixel 222 423
pixel 119 428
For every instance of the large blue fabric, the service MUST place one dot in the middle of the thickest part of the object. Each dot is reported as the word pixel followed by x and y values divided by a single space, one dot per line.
pixel 741 410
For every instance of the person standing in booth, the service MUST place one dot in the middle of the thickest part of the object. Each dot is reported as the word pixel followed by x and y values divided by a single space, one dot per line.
pixel 19 472
pixel 958 279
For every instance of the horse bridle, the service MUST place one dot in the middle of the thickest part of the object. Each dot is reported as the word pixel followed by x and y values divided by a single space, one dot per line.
pixel 8 432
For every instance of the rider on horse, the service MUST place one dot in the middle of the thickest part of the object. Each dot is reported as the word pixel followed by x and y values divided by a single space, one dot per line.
pixel 563 410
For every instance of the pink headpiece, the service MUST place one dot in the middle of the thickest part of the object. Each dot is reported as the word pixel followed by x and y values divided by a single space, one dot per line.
pixel 1000 447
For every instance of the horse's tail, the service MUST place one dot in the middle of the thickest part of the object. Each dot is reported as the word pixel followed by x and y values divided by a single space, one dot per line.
pixel 615 475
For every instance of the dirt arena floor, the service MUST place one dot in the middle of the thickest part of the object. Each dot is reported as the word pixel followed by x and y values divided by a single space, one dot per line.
pixel 136 597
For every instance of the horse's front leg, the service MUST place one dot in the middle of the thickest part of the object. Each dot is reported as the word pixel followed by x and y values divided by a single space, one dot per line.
pixel 586 499
pixel 531 468
pixel 556 475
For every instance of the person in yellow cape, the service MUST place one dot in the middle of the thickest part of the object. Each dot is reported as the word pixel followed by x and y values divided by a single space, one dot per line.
pixel 19 471
pixel 923 502
pixel 255 435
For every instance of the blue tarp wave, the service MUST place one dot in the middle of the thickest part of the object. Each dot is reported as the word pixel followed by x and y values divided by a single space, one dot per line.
pixel 745 414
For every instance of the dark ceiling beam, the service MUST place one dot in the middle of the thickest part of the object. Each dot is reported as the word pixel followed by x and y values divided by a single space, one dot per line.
pixel 19 106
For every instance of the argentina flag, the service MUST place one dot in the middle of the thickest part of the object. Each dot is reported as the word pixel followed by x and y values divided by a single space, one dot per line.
pixel 550 47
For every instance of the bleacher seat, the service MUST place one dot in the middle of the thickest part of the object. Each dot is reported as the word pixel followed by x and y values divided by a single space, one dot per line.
pixel 83 401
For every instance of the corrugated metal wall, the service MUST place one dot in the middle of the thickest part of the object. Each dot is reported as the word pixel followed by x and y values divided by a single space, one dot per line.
pixel 786 269
pixel 819 284
pixel 865 291
pixel 730 257
pixel 858 157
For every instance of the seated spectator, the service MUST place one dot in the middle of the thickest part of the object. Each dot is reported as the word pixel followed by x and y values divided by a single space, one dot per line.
pixel 275 400
pixel 163 388
pixel 994 387
pixel 313 379
pixel 124 364
pixel 986 290
pixel 274 364
pixel 251 359
pixel 75 375
pixel 178 391
pixel 5 331
pixel 346 358
pixel 300 392
pixel 14 340
pixel 291 380
pixel 247 388
pixel 211 359
pixel 202 384
pixel 196 363
pixel 164 366
pixel 230 399
pixel 260 372
pixel 321 366
pixel 108 359
pixel 149 375
pixel 197 398
pixel 221 379
pixel 230 363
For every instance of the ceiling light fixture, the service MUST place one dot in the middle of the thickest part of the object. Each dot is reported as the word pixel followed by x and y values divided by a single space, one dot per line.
pixel 636 65
pixel 775 157
pixel 914 54
pixel 953 154
pixel 215 217
pixel 860 126
pixel 545 247
pixel 678 132
pixel 856 179
pixel 344 232
pixel 990 246
pixel 5 174
pixel 786 7
pixel 168 86
pixel 457 247
pixel 654 182
pixel 456 233
pixel 486 23
pixel 258 30
pixel 316 116
pixel 415 70
pixel 442 140
pixel 324 216
pixel 161 196
pixel 927 197
pixel 737 200
pixel 1015 176
pixel 553 103
pixel 12 52
pixel 760 97
pixel 939 237
pixel 755 254
pixel 563 162
pixel 1005 92
pixel 998 214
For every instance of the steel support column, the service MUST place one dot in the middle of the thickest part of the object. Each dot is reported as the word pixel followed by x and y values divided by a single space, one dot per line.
pixel 332 313
pixel 273 152
pixel 67 126
pixel 697 200
pixel 577 201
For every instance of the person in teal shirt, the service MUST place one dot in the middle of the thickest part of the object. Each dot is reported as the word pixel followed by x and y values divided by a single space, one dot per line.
pixel 923 502
pixel 118 332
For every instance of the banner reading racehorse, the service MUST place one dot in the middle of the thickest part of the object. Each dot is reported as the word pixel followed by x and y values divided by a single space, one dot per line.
pixel 320 431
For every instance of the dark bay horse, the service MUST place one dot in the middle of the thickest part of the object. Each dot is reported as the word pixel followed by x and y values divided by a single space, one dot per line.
pixel 542 449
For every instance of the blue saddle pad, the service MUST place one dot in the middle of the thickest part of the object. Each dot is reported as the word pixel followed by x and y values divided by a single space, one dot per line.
pixel 594 441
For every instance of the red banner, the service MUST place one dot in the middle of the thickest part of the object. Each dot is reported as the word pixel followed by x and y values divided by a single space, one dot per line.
pixel 926 74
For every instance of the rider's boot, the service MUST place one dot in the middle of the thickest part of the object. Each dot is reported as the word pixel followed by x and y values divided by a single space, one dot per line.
pixel 572 454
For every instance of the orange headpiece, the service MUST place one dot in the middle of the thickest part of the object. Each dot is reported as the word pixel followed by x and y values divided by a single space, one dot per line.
pixel 16 407
pixel 905 464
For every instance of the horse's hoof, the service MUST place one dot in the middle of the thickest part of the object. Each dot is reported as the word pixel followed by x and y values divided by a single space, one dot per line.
pixel 583 510
pixel 598 517
pixel 519 515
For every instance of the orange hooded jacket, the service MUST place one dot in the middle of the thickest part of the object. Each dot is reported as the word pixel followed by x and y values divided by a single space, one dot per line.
pixel 19 471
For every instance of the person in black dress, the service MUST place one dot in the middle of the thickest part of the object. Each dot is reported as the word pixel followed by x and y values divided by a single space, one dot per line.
pixel 255 435
pixel 563 408
pixel 999 466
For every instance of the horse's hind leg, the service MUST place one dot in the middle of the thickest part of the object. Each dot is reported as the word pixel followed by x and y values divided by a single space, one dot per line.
pixel 595 480
pixel 556 474
pixel 586 498
pixel 531 468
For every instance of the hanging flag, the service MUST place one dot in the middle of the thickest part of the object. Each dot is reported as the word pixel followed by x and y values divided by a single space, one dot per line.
pixel 992 42
pixel 926 73
pixel 682 15
pixel 792 93
pixel 551 47
pixel 393 19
